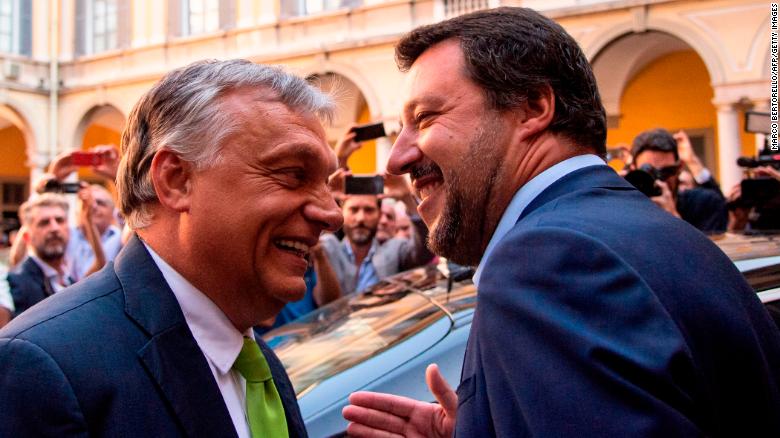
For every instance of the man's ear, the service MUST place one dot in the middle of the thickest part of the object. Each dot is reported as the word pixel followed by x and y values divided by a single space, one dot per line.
pixel 537 114
pixel 171 177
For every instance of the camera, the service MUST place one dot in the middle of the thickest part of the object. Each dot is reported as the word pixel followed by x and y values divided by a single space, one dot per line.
pixel 762 194
pixel 54 186
pixel 645 177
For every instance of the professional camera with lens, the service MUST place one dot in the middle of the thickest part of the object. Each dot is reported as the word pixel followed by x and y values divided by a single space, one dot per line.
pixel 645 177
pixel 760 193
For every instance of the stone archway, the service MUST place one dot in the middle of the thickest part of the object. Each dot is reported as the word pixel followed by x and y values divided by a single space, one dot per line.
pixel 352 108
pixel 17 147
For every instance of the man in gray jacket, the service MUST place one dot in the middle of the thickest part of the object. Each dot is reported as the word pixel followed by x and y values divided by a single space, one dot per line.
pixel 359 260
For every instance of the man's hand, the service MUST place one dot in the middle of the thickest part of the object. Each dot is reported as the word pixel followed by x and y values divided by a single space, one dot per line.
pixel 396 187
pixel 687 154
pixel 62 166
pixel 767 171
pixel 373 414
pixel 345 147
pixel 110 163
pixel 665 200
pixel 337 183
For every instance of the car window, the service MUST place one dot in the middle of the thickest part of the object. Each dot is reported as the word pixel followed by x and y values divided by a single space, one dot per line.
pixel 348 331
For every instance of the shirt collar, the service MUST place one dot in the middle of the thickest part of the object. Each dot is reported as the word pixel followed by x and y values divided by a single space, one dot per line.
pixel 526 194
pixel 216 336
pixel 351 254
pixel 48 270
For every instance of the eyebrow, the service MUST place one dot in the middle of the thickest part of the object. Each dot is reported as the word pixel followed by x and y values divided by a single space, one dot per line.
pixel 286 151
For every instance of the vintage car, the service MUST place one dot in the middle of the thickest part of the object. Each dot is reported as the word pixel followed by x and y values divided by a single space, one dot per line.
pixel 382 339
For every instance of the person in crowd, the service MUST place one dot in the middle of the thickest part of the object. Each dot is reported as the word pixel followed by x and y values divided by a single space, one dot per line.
pixel 223 178
pixel 403 225
pixel 752 214
pixel 358 259
pixel 592 320
pixel 386 227
pixel 80 255
pixel 43 271
pixel 6 299
pixel 703 206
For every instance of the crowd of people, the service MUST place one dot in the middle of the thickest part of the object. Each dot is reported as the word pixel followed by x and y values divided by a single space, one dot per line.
pixel 235 218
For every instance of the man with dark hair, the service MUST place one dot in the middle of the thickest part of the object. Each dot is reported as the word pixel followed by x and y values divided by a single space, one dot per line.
pixel 223 179
pixel 591 319
pixel 704 207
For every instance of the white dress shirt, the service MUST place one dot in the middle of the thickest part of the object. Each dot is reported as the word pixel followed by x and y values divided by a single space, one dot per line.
pixel 57 280
pixel 526 194
pixel 216 336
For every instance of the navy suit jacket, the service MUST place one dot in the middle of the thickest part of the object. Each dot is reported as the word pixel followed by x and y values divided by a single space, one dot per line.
pixel 113 356
pixel 600 315
pixel 28 285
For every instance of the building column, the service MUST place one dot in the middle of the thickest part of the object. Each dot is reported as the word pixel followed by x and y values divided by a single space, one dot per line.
pixel 760 105
pixel 729 146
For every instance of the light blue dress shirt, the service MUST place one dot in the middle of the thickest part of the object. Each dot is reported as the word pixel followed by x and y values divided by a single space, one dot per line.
pixel 526 194
pixel 366 275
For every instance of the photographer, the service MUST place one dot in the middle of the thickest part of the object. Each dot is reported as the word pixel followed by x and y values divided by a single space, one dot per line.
pixel 661 155
pixel 755 208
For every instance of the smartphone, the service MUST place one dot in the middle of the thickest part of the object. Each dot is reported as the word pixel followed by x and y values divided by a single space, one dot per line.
pixel 86 159
pixel 364 185
pixel 369 131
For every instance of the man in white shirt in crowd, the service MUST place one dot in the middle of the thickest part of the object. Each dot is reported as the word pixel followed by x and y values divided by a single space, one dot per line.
pixel 80 255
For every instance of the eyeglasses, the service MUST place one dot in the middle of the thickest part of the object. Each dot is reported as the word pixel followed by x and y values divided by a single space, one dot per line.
pixel 661 173
pixel 667 172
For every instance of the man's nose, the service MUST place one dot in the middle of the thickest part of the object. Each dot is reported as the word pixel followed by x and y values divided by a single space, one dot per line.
pixel 404 153
pixel 325 212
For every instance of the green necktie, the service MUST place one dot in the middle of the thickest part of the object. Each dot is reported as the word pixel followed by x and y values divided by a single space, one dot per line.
pixel 263 405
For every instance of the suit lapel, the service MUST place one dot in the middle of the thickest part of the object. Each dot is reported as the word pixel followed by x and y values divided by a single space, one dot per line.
pixel 38 274
pixel 171 357
pixel 582 179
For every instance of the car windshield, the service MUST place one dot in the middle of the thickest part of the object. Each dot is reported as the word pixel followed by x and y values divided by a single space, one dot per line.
pixel 350 330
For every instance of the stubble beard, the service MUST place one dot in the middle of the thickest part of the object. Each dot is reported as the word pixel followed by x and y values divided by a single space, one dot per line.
pixel 459 234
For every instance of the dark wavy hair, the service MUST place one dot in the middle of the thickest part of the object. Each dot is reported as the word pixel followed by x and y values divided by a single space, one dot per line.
pixel 513 54
pixel 658 139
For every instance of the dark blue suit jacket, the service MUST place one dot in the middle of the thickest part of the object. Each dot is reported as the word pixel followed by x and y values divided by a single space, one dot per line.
pixel 28 285
pixel 113 356
pixel 600 315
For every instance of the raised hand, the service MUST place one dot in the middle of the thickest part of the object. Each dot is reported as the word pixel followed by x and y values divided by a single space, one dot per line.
pixel 345 147
pixel 374 414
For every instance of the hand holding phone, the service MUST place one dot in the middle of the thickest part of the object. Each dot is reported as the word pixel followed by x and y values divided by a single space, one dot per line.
pixel 369 131
pixel 81 158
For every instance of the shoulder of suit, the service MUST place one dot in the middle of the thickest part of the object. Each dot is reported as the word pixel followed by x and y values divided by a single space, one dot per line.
pixel 69 307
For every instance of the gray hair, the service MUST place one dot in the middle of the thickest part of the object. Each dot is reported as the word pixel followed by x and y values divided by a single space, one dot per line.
pixel 184 108
pixel 42 200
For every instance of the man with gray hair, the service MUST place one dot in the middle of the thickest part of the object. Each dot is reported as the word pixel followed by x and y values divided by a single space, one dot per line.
pixel 43 271
pixel 223 179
